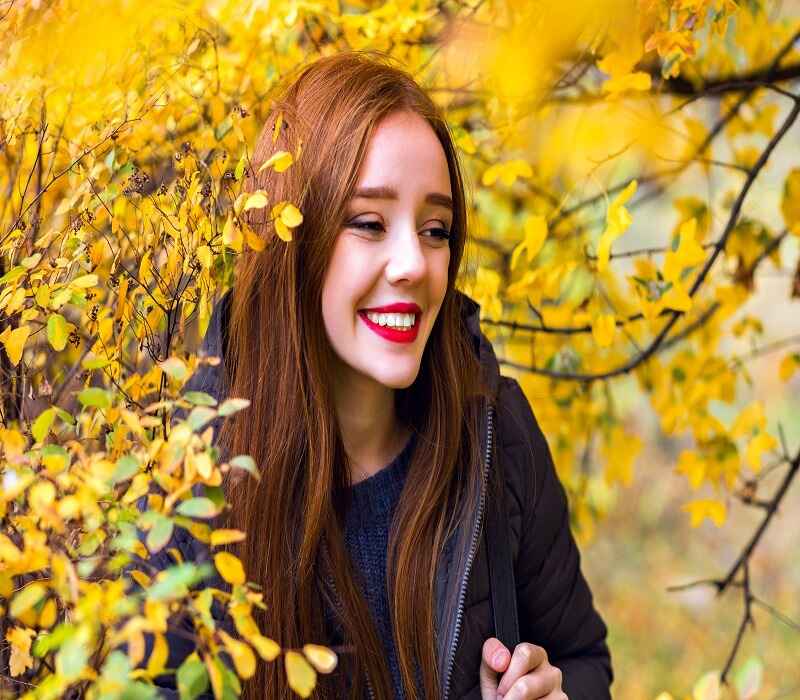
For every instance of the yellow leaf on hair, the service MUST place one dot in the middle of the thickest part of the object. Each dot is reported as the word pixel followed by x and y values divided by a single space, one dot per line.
pixel 257 200
pixel 283 231
pixel 321 658
pixel 229 567
pixel 290 215
pixel 267 648
pixel 276 130
pixel 219 537
pixel 279 161
pixel 301 675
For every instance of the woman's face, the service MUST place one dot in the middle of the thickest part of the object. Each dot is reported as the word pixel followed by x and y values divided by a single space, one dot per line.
pixel 391 249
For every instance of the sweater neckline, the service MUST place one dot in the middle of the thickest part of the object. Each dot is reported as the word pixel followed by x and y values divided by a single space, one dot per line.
pixel 378 492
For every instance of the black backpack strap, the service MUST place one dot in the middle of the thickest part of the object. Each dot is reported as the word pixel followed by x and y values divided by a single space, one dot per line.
pixel 501 566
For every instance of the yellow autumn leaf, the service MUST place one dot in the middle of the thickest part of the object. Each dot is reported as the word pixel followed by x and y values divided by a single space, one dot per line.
pixel 229 567
pixel 618 219
pixel 534 238
pixel 788 366
pixel 257 200
pixel 158 657
pixel 58 331
pixel 20 640
pixel 276 130
pixel 15 343
pixel 301 675
pixel 232 235
pixel 506 172
pixel 204 256
pixel 290 215
pixel 688 254
pixel 279 161
pixel 705 508
pixel 145 268
pixel 267 648
pixel 255 241
pixel 85 281
pixel 693 467
pixel 222 536
pixel 676 298
pixel 790 202
pixel 751 418
pixel 243 657
pixel 321 658
pixel 603 329
pixel 763 442
pixel 47 618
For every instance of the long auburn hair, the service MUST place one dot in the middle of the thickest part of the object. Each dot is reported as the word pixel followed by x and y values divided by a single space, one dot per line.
pixel 278 356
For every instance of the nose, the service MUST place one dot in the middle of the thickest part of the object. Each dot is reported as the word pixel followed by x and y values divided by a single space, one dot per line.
pixel 407 260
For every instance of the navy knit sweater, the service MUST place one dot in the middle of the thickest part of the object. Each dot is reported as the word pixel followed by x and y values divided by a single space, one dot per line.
pixel 367 523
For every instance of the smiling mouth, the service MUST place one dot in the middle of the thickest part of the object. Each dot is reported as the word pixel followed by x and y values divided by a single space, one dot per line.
pixel 397 334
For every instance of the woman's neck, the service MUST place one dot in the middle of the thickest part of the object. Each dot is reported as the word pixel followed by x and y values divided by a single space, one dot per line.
pixel 371 430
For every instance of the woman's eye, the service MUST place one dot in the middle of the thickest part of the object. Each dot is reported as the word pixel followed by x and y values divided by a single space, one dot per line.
pixel 441 233
pixel 367 225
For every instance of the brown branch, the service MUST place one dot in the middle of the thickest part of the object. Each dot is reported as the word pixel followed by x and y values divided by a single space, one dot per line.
pixel 635 361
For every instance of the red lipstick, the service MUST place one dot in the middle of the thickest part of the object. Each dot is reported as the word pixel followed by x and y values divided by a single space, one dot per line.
pixel 395 335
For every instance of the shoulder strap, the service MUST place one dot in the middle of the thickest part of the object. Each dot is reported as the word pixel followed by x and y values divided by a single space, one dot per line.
pixel 501 567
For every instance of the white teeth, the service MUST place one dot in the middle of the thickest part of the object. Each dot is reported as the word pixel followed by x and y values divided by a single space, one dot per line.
pixel 401 321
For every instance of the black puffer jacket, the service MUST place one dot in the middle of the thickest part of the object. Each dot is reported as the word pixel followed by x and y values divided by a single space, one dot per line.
pixel 554 601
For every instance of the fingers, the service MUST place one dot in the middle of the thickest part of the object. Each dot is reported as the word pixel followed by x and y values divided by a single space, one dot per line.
pixel 526 658
pixel 494 659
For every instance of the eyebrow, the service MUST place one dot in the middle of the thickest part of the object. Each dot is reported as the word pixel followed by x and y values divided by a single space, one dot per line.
pixel 438 198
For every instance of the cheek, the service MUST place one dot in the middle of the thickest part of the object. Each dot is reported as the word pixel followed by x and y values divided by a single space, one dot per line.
pixel 341 286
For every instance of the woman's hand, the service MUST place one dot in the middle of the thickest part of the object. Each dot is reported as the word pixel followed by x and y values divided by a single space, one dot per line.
pixel 527 674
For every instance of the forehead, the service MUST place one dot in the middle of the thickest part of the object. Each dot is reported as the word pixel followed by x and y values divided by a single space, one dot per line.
pixel 404 153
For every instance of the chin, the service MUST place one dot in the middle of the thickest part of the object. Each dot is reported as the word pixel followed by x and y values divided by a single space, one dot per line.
pixel 397 380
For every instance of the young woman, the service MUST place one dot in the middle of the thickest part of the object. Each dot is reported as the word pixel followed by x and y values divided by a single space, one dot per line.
pixel 378 419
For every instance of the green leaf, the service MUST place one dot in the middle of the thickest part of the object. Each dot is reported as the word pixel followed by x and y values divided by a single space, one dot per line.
pixel 177 580
pixel 192 678
pixel 239 171
pixel 230 406
pixel 222 129
pixel 749 678
pixel 127 466
pixel 45 643
pixel 57 331
pixel 96 362
pixel 73 656
pixel 247 463
pixel 200 398
pixel 197 508
pixel 27 598
pixel 95 397
pixel 174 367
pixel 41 426
pixel 159 534
pixel 200 416
pixel 12 274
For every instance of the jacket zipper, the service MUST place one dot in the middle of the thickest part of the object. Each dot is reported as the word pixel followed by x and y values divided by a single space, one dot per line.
pixel 470 557
pixel 335 591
